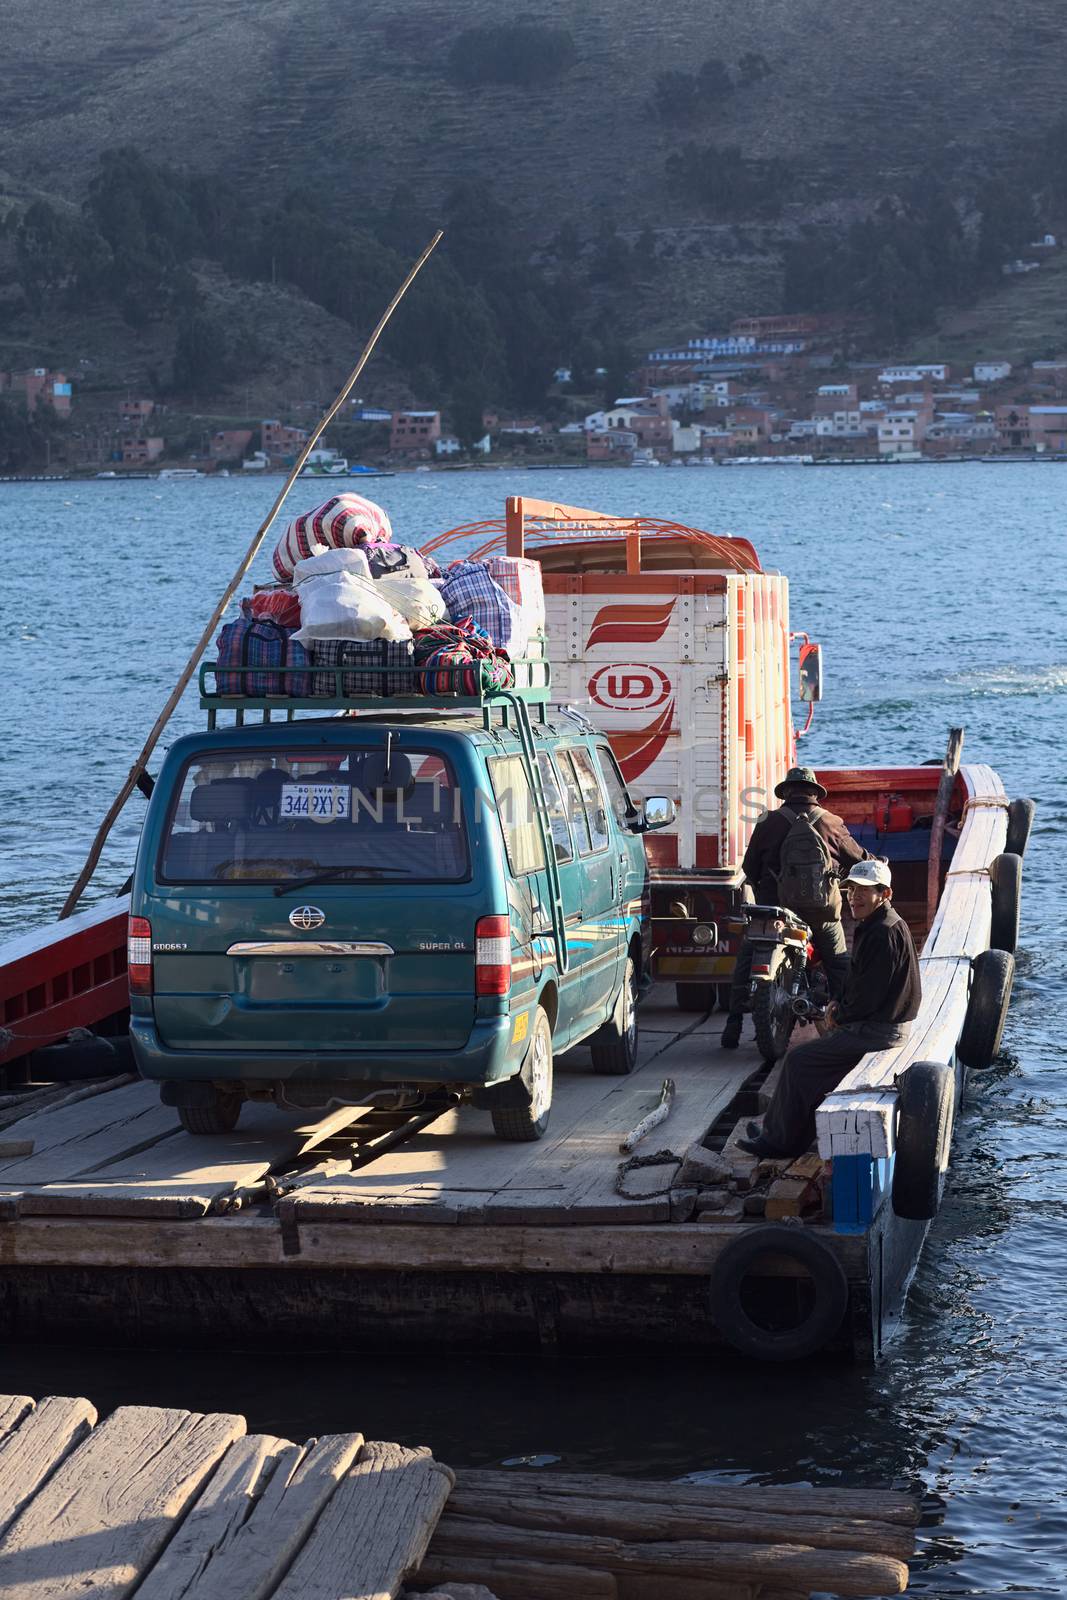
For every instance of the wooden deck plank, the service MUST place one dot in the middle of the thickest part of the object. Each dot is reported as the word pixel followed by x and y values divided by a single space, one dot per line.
pixel 74 1140
pixel 102 1518
pixel 32 1451
pixel 13 1407
pixel 252 1517
pixel 374 1530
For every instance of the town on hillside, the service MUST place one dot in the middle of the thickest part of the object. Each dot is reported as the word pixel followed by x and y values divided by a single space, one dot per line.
pixel 770 388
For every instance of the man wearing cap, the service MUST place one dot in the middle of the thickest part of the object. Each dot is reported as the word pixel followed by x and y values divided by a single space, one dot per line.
pixel 801 793
pixel 880 1002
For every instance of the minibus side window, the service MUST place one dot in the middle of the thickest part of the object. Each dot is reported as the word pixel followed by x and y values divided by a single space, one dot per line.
pixel 593 800
pixel 557 811
pixel 623 807
pixel 517 813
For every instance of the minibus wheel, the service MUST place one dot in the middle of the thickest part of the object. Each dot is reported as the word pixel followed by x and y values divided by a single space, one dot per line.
pixel 522 1124
pixel 614 1046
pixel 219 1116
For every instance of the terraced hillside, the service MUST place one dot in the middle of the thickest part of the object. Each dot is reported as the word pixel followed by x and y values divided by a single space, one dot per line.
pixel 355 96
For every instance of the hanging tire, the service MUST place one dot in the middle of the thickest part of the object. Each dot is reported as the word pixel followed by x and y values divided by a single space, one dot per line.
pixel 992 975
pixel 1006 875
pixel 614 1046
pixel 820 1296
pixel 696 996
pixel 524 1123
pixel 925 1109
pixel 772 1014
pixel 220 1116
pixel 1020 821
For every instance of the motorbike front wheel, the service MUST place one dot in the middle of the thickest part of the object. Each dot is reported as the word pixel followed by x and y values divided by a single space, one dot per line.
pixel 772 1013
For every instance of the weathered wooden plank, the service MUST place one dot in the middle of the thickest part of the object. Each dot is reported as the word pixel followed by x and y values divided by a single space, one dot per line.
pixel 523 1580
pixel 600 1514
pixel 253 1516
pixel 76 1139
pixel 58 1095
pixel 239 1243
pixel 100 1520
pixel 13 1407
pixel 800 1499
pixel 31 1452
pixel 374 1530
pixel 844 1572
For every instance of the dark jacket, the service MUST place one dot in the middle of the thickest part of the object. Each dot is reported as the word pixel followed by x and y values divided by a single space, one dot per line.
pixel 764 851
pixel 883 982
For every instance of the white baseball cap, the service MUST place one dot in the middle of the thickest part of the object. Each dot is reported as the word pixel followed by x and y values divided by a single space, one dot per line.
pixel 874 874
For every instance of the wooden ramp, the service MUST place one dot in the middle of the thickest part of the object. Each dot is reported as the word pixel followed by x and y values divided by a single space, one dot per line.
pixel 164 1504
pixel 114 1151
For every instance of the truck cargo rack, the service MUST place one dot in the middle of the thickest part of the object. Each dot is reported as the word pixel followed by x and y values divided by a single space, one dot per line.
pixel 532 686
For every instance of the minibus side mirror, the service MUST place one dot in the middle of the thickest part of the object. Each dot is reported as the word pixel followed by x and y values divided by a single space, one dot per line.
pixel 657 812
pixel 810 672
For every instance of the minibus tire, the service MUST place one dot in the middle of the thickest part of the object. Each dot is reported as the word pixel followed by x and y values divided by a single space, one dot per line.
pixel 614 1046
pixel 695 996
pixel 992 975
pixel 1020 821
pixel 925 1107
pixel 1006 873
pixel 785 1344
pixel 518 1124
pixel 219 1117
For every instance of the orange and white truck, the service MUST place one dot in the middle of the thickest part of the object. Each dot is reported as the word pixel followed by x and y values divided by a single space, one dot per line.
pixel 677 643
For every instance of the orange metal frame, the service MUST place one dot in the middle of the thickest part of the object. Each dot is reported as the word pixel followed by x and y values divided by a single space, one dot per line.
pixel 541 522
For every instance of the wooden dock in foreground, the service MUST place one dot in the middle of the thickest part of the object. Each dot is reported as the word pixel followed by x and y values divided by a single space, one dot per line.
pixel 161 1504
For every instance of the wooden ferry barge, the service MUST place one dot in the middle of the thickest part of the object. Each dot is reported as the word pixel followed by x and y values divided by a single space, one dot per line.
pixel 335 1231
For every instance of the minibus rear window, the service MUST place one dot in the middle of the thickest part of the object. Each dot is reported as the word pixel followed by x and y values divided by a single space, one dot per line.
pixel 364 813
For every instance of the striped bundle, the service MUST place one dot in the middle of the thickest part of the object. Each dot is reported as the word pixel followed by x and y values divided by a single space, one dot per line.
pixel 449 660
pixel 342 523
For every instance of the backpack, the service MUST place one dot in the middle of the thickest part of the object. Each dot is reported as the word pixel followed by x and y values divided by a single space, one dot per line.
pixel 807 882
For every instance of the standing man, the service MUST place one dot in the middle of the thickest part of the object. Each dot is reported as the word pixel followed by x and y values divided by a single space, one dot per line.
pixel 794 859
pixel 880 1002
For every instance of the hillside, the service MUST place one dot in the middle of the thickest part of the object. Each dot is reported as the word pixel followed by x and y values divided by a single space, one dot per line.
pixel 355 96
pixel 351 102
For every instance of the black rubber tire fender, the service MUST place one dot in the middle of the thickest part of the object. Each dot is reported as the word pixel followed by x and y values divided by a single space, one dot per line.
pixel 696 996
pixel 614 1045
pixel 926 1101
pixel 1020 821
pixel 992 975
pixel 824 1269
pixel 1006 877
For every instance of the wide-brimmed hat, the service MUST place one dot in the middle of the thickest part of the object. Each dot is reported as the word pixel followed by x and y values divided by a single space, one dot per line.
pixel 800 778
pixel 873 874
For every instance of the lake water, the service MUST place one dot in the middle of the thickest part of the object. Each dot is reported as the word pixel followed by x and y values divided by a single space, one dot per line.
pixel 938 595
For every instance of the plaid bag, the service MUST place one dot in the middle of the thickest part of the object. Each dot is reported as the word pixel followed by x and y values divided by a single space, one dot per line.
pixel 447 658
pixel 260 642
pixel 469 590
pixel 380 667
pixel 344 522
pixel 520 578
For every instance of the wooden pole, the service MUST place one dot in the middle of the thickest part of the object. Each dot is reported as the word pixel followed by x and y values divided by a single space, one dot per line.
pixel 949 769
pixel 190 667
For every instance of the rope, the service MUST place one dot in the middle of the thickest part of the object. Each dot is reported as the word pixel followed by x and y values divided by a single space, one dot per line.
pixel 661 1158
pixel 996 802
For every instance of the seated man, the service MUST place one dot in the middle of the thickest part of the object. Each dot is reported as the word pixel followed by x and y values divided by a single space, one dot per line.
pixel 794 858
pixel 880 1002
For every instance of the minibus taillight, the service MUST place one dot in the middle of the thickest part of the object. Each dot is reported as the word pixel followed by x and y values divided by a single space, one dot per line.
pixel 492 955
pixel 139 955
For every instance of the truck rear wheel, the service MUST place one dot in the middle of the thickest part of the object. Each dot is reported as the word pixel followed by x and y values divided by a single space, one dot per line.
pixel 522 1124
pixel 695 996
pixel 218 1117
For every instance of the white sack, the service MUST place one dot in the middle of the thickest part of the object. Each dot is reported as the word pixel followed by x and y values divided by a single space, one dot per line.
pixel 335 603
pixel 419 602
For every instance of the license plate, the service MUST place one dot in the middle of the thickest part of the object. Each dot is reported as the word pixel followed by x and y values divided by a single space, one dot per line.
pixel 316 802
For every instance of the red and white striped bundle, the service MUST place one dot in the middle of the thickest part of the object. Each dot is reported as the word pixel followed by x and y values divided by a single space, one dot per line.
pixel 342 523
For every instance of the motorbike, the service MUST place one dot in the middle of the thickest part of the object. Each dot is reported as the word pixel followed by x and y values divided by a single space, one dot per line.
pixel 787 983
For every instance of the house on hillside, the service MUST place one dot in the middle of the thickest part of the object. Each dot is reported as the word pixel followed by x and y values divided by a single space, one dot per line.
pixel 415 433
pixel 39 386
pixel 280 442
pixel 991 371
pixel 141 452
pixel 135 413
pixel 229 444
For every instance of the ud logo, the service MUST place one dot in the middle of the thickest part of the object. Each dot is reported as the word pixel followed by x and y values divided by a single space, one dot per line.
pixel 629 687
pixel 307 917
